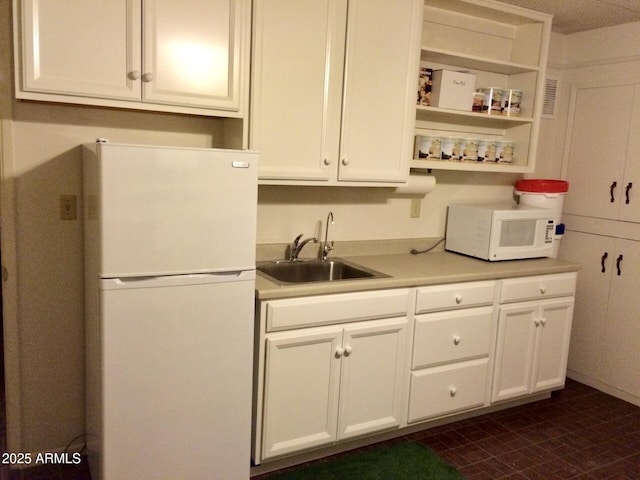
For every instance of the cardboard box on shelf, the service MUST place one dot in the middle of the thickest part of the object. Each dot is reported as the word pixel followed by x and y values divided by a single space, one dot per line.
pixel 453 90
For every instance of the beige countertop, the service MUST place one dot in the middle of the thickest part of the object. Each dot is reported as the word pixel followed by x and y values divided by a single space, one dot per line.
pixel 407 270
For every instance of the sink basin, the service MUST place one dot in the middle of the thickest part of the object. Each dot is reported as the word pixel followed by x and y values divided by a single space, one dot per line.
pixel 292 272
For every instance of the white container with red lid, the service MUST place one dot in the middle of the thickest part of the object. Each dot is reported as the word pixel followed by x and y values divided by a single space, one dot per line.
pixel 545 193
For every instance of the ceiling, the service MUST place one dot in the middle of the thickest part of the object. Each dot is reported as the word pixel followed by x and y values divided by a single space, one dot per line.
pixel 571 16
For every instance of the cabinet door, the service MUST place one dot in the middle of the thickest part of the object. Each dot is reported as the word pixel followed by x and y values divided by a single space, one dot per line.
pixel 80 48
pixel 193 52
pixel 378 117
pixel 554 332
pixel 622 334
pixel 596 255
pixel 298 55
pixel 372 377
pixel 515 351
pixel 599 132
pixel 629 192
pixel 301 390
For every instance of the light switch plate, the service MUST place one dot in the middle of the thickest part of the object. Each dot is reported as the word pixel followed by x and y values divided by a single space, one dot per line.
pixel 68 207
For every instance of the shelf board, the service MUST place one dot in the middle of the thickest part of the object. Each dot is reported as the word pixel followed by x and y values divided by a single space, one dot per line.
pixel 461 60
pixel 469 166
pixel 461 117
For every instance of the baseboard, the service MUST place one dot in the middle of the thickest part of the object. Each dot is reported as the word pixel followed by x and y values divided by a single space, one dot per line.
pixel 603 387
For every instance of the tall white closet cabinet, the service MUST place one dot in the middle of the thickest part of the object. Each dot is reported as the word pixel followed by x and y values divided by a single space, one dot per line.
pixel 602 216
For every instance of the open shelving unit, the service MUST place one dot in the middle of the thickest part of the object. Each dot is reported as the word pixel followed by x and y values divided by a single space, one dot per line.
pixel 503 46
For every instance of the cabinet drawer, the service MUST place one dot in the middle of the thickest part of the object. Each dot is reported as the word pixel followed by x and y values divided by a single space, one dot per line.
pixel 531 288
pixel 445 337
pixel 330 309
pixel 460 295
pixel 449 388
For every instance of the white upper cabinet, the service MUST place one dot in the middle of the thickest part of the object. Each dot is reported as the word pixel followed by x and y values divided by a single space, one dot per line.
pixel 333 89
pixel 603 125
pixel 505 47
pixel 184 57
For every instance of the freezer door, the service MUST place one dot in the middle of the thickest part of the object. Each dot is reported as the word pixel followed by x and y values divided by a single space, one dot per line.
pixel 177 377
pixel 168 210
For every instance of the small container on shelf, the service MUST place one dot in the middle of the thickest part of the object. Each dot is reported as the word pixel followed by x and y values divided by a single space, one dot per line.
pixel 487 151
pixel 451 148
pixel 512 100
pixel 505 151
pixel 425 81
pixel 478 103
pixel 470 150
pixel 428 147
pixel 493 100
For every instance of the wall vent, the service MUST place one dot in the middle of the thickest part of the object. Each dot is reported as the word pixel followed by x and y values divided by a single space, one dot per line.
pixel 549 108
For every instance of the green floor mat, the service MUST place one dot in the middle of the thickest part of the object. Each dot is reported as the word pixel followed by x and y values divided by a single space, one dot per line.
pixel 401 461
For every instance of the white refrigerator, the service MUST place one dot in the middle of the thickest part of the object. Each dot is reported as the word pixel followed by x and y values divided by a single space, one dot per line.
pixel 169 278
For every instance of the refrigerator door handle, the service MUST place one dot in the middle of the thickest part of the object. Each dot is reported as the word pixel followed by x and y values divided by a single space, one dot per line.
pixel 178 280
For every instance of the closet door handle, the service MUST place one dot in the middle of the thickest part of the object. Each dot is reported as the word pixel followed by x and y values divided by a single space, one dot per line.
pixel 618 262
pixel 626 192
pixel 602 260
pixel 611 190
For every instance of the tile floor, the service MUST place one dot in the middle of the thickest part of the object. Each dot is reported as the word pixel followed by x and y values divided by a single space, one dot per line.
pixel 579 434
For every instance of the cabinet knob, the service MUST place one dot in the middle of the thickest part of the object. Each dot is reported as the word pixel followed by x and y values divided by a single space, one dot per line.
pixel 134 75
pixel 456 339
pixel 543 289
pixel 453 391
pixel 458 299
pixel 327 161
pixel 339 352
pixel 345 161
pixel 536 322
pixel 347 350
pixel 543 321
pixel 147 77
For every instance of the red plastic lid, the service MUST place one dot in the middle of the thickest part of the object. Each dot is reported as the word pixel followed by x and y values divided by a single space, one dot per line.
pixel 542 186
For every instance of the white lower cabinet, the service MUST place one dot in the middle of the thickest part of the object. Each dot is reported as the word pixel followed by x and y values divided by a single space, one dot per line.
pixel 533 336
pixel 451 349
pixel 326 384
pixel 333 367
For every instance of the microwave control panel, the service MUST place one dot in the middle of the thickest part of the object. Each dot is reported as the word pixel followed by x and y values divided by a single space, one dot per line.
pixel 550 232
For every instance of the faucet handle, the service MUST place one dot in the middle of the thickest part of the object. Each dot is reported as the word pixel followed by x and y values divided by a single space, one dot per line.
pixel 294 247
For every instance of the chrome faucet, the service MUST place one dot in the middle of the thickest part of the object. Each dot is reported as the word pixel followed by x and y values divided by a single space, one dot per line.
pixel 326 248
pixel 297 246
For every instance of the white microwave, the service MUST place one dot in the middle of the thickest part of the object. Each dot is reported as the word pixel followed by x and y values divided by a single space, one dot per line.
pixel 499 231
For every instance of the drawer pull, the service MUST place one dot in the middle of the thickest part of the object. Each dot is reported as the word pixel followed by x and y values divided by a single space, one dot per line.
pixel 611 191
pixel 453 391
pixel 543 289
pixel 456 339
pixel 458 299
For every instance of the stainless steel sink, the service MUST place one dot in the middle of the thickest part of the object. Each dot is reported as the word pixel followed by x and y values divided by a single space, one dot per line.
pixel 301 271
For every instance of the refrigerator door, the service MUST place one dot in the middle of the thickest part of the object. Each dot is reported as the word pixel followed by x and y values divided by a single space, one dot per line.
pixel 170 210
pixel 177 373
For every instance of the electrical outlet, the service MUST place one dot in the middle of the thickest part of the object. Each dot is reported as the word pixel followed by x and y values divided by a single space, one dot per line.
pixel 415 208
pixel 68 207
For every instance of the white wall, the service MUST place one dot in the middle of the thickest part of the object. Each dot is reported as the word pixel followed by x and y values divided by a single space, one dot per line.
pixel 371 213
